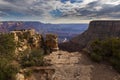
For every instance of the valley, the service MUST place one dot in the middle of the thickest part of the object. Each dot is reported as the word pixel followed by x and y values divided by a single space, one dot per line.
pixel 64 31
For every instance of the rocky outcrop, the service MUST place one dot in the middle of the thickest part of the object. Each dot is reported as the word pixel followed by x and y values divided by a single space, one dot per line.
pixel 29 39
pixel 52 41
pixel 98 30
pixel 20 76
pixel 26 39
pixel 36 73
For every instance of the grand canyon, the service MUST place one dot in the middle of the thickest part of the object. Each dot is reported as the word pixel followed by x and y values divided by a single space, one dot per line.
pixel 62 60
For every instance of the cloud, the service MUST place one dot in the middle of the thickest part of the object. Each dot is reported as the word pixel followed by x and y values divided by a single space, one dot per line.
pixel 48 10
pixel 91 9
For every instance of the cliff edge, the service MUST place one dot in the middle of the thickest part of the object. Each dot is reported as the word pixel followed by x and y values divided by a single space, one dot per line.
pixel 100 29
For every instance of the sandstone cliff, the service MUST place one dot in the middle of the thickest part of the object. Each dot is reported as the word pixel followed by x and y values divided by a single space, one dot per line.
pixel 29 39
pixel 52 41
pixel 26 40
pixel 98 30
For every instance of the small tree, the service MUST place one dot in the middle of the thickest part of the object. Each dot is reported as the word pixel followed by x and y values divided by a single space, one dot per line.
pixel 7 70
pixel 34 58
pixel 106 50
pixel 7 44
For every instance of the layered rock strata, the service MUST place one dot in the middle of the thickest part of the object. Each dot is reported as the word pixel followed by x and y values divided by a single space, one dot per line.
pixel 98 30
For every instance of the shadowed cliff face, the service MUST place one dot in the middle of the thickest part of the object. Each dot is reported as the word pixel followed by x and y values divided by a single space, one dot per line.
pixel 96 30
pixel 103 28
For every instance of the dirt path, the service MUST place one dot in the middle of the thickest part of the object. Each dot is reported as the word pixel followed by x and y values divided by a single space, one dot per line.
pixel 77 66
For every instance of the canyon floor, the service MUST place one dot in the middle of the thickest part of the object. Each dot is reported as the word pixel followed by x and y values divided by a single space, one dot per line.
pixel 77 66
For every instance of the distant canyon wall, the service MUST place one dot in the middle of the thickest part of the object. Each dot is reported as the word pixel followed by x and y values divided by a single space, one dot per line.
pixel 100 29
pixel 64 31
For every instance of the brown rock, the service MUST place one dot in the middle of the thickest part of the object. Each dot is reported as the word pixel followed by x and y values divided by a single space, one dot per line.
pixel 20 76
pixel 29 39
pixel 52 41
pixel 26 39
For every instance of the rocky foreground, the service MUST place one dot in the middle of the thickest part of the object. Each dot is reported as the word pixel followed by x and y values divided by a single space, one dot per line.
pixel 74 66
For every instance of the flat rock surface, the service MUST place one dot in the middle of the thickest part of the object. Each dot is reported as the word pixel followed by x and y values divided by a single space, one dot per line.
pixel 77 66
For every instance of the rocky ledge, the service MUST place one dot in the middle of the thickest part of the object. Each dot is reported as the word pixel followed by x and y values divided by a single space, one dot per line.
pixel 73 66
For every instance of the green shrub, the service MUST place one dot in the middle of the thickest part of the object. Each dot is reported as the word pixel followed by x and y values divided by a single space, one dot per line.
pixel 34 58
pixel 28 73
pixel 7 44
pixel 95 57
pixel 7 48
pixel 106 50
pixel 7 70
pixel 96 51
pixel 115 63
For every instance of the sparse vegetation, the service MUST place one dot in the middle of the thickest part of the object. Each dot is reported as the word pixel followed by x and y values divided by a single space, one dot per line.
pixel 7 45
pixel 106 50
pixel 28 73
pixel 22 49
pixel 28 58
pixel 7 70
pixel 34 58
pixel 7 48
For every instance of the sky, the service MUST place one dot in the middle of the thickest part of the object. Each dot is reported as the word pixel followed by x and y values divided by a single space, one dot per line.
pixel 59 11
